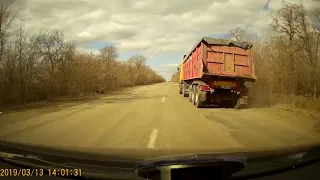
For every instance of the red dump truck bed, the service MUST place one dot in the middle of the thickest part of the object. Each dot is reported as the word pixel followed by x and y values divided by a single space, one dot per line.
pixel 219 57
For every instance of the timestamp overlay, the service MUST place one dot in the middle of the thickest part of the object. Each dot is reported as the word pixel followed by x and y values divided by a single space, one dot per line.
pixel 12 172
pixel 22 172
pixel 64 172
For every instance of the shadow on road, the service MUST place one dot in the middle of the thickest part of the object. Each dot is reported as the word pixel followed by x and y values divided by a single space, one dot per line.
pixel 92 103
pixel 72 106
pixel 123 96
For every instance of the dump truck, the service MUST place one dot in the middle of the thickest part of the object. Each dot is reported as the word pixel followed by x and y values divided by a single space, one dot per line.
pixel 216 72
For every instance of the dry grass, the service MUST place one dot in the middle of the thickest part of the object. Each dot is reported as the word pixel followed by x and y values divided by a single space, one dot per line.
pixel 314 105
pixel 301 102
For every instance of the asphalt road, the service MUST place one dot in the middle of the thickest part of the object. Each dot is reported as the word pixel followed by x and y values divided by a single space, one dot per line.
pixel 155 117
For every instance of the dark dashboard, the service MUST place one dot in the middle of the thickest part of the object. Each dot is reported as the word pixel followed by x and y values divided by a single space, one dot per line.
pixel 309 172
pixel 294 164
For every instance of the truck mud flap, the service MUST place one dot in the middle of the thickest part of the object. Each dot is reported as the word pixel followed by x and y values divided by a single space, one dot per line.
pixel 243 100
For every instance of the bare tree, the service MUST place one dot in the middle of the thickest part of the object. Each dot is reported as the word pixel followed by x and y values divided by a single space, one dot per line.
pixel 237 34
pixel 50 46
pixel 285 21
pixel 6 18
pixel 65 66
pixel 310 37
pixel 138 69
pixel 20 46
pixel 108 57
pixel 109 53
pixel 138 60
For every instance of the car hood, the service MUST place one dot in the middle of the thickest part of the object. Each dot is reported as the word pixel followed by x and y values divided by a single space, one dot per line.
pixel 122 162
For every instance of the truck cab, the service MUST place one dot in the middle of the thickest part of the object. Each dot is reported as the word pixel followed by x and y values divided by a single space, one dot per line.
pixel 183 87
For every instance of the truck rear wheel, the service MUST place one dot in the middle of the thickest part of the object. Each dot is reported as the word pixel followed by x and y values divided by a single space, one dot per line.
pixel 197 92
pixel 184 94
pixel 193 95
pixel 190 93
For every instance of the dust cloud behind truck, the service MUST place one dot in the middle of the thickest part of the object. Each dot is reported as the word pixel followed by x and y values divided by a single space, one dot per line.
pixel 216 71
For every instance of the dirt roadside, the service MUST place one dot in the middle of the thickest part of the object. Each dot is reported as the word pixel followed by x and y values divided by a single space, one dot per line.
pixel 268 127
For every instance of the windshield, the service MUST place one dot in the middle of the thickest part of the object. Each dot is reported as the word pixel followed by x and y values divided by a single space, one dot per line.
pixel 143 75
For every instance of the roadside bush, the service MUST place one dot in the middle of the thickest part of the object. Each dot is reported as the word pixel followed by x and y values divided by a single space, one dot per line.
pixel 175 77
pixel 301 102
pixel 306 103
pixel 48 73
pixel 314 104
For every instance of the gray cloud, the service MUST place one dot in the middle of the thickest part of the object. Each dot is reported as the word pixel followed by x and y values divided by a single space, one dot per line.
pixel 148 26
pixel 151 26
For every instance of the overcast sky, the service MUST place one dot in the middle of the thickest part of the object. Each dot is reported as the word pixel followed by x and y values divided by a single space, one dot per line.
pixel 161 30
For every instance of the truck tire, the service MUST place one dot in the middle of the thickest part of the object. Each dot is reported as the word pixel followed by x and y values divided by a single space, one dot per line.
pixel 193 95
pixel 180 91
pixel 190 93
pixel 184 94
pixel 198 103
